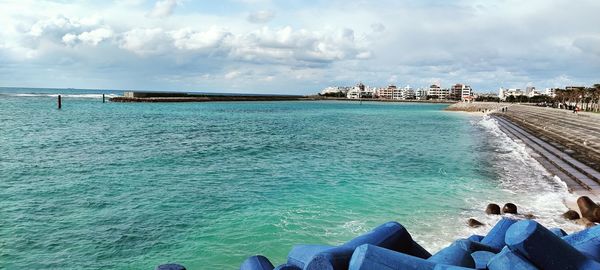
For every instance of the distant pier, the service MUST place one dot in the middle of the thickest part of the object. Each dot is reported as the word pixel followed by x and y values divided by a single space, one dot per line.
pixel 185 97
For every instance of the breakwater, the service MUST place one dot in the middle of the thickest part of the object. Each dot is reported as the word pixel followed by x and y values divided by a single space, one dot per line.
pixel 576 133
pixel 514 242
pixel 185 97
pixel 567 143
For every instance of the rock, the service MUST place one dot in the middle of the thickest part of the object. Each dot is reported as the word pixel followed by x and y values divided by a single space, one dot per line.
pixel 529 216
pixel 473 223
pixel 492 209
pixel 589 209
pixel 571 215
pixel 509 208
pixel 590 224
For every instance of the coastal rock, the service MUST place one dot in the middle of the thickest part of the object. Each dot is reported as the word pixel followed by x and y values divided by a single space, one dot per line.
pixel 589 209
pixel 492 209
pixel 529 216
pixel 571 215
pixel 473 223
pixel 509 208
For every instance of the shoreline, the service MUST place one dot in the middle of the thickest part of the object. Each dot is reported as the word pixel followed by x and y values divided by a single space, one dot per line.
pixel 581 180
pixel 555 153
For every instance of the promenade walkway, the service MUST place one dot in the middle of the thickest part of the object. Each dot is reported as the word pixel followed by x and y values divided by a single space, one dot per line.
pixel 568 144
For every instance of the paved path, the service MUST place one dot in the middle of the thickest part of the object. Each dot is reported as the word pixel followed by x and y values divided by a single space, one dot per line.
pixel 576 134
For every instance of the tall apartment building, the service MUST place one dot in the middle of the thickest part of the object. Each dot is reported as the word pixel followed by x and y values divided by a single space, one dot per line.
pixel 461 92
pixel 438 92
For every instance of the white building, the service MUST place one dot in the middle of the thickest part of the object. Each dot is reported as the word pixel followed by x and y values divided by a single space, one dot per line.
pixel 532 92
pixel 334 90
pixel 360 91
pixel 436 91
pixel 551 92
pixel 406 93
pixel 421 94
pixel 503 93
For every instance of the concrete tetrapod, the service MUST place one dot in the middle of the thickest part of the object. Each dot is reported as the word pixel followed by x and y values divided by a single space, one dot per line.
pixel 586 241
pixel 558 232
pixel 481 259
pixel 475 238
pixel 287 266
pixel 369 257
pixel 544 249
pixel 257 263
pixel 390 235
pixel 459 253
pixel 509 260
pixel 495 238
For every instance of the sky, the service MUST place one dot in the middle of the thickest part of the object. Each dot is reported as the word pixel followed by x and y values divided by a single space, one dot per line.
pixel 298 47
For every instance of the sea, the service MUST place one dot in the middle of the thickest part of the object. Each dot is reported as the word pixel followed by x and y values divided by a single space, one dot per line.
pixel 133 185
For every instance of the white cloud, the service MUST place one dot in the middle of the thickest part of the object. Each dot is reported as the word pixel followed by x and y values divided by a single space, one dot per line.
pixel 145 41
pixel 485 43
pixel 95 36
pixel 69 39
pixel 163 8
pixel 232 75
pixel 53 25
pixel 262 16
pixel 89 37
pixel 188 39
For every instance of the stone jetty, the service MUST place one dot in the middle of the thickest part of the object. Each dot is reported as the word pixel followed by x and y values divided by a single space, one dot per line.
pixel 188 97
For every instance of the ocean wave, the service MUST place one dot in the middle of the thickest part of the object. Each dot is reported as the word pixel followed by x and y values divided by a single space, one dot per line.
pixel 94 96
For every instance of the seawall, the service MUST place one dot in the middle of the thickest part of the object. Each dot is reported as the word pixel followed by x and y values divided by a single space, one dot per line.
pixel 483 107
pixel 567 144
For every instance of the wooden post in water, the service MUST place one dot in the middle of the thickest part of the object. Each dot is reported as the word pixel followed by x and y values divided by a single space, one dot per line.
pixel 59 102
pixel 103 100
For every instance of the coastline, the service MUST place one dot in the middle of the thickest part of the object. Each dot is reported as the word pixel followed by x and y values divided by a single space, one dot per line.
pixel 550 150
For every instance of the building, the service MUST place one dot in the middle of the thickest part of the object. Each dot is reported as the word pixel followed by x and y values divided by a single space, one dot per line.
pixel 461 92
pixel 387 92
pixel 341 91
pixel 503 93
pixel 406 93
pixel 421 94
pixel 532 92
pixel 435 91
pixel 360 91
pixel 551 92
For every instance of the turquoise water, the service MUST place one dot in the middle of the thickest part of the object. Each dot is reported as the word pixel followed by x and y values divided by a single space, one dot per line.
pixel 131 186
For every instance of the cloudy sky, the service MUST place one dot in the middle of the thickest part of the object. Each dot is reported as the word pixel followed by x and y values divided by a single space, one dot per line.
pixel 294 46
